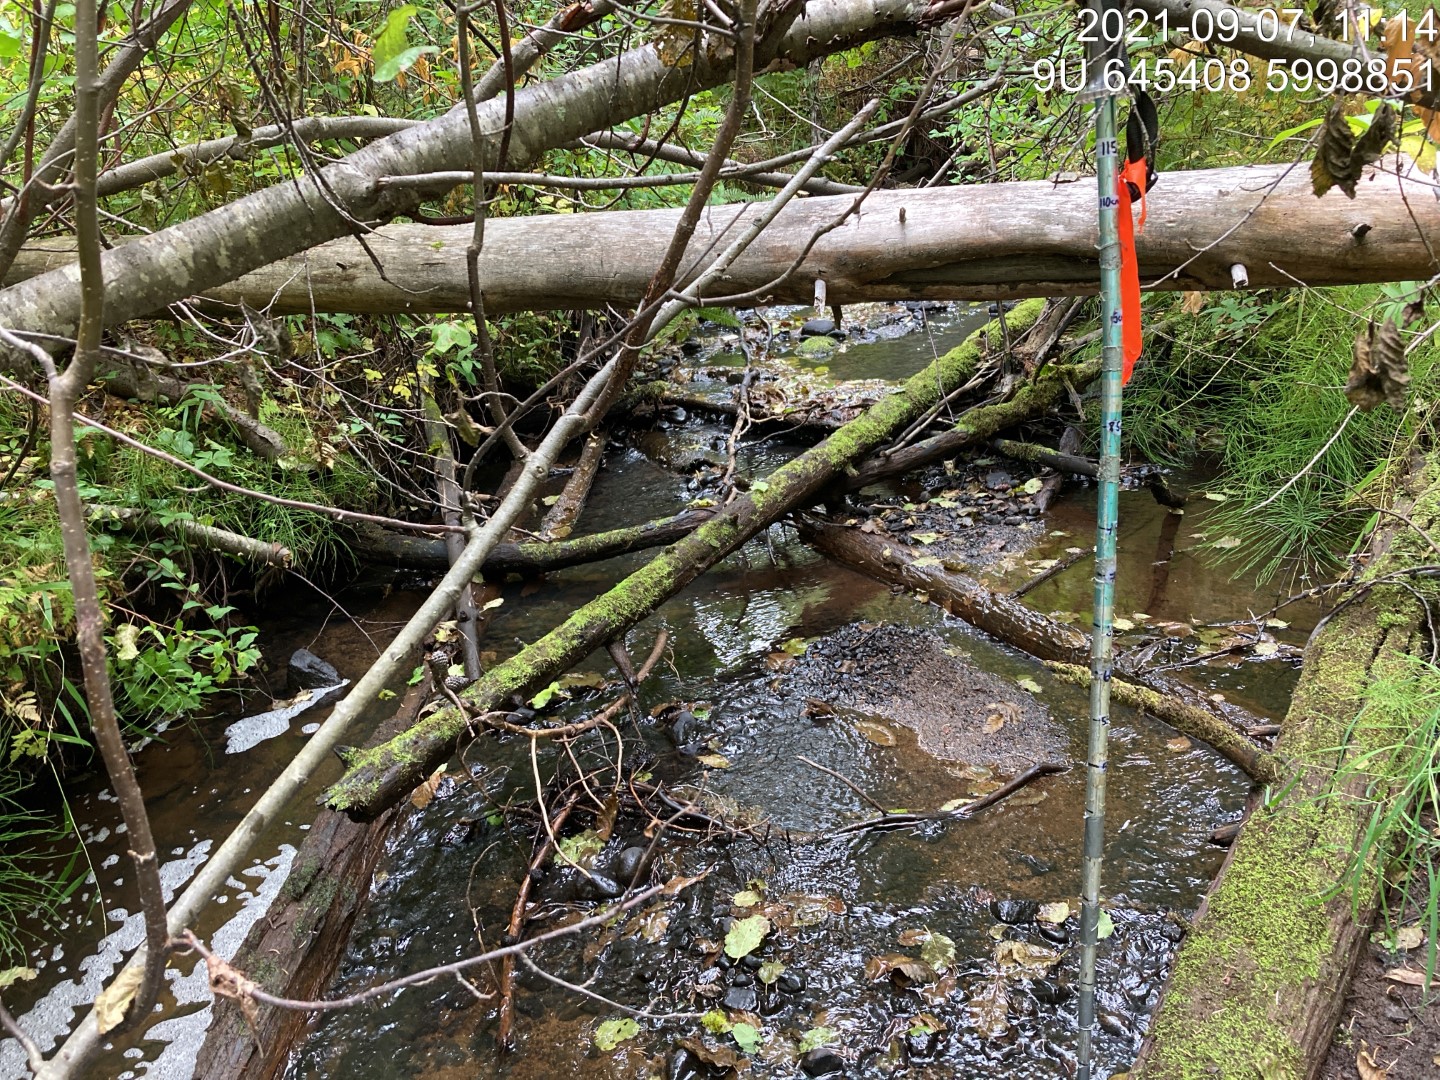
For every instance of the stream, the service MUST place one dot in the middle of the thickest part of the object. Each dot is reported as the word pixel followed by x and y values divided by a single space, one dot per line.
pixel 937 951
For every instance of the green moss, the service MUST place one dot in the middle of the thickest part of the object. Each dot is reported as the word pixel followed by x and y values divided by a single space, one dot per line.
pixel 315 907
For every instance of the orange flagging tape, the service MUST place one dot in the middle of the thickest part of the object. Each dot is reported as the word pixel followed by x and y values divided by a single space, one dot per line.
pixel 1132 178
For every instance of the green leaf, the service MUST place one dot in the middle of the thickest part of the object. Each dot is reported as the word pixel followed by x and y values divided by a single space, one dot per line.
pixel 392 53
pixel 1105 926
pixel 746 898
pixel 612 1033
pixel 745 936
pixel 760 487
pixel 925 537
pixel 815 1038
pixel 769 971
pixel 1032 486
pixel 746 1037
pixel 543 698
pixel 1029 684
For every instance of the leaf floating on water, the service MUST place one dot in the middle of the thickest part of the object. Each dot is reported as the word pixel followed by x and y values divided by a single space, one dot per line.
pixel 939 952
pixel 795 646
pixel 1276 624
pixel 989 1009
pixel 903 970
pixel 612 1033
pixel 815 1038
pixel 746 1036
pixel 1266 648
pixel 1054 913
pixel 1227 543
pixel 1029 684
pixel 110 1006
pixel 769 971
pixel 10 976
pixel 955 804
pixel 745 936
pixel 876 732
pixel 650 927
pixel 746 898
pixel 913 936
pixel 1105 927
pixel 713 761
pixel 422 795
pixel 1023 958
pixel 1216 496
pixel 1177 744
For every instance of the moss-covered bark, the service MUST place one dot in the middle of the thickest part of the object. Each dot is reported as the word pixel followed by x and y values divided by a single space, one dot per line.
pixel 380 777
pixel 1258 986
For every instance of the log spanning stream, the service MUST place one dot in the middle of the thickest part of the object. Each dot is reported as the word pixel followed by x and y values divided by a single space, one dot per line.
pixel 778 655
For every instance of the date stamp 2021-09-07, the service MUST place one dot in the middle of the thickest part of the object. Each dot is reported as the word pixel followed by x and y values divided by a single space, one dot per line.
pixel 1190 69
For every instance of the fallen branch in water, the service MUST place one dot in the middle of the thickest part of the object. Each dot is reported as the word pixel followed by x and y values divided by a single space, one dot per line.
pixel 380 778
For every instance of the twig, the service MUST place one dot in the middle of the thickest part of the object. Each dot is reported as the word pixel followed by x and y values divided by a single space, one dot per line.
pixel 844 780
pixel 895 821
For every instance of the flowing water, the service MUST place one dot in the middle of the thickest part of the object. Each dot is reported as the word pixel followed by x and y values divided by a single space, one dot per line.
pixel 844 908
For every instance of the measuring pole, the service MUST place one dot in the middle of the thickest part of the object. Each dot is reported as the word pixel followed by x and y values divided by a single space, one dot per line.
pixel 1102 636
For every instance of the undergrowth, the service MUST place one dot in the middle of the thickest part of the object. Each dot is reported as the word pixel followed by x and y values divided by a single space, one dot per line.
pixel 1255 384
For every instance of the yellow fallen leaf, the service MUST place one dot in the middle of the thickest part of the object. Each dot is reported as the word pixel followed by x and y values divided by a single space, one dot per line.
pixel 1178 743
pixel 1407 976
pixel 426 791
pixel 110 1006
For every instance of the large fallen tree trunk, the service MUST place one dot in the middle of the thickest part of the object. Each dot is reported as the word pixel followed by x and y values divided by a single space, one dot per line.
pixel 1259 983
pixel 378 778
pixel 978 242
pixel 1009 620
pixel 207 251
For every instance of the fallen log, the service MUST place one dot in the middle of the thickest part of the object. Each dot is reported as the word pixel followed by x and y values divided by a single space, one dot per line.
pixel 560 520
pixel 1259 984
pixel 380 545
pixel 381 777
pixel 1003 617
pixel 133 519
pixel 980 242
pixel 294 950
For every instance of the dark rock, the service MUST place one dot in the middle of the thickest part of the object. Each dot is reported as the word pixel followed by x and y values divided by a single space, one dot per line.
pixel 1014 519
pixel 751 962
pixel 791 982
pixel 308 672
pixel 821 328
pixel 599 887
pixel 1049 992
pixel 739 977
pixel 629 865
pixel 685 729
pixel 683 1065
pixel 1054 934
pixel 742 998
pixel 677 414
pixel 1014 912
pixel 990 519
pixel 822 1061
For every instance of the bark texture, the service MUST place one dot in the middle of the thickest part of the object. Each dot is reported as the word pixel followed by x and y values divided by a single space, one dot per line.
pixel 976 242
pixel 230 241
pixel 1260 981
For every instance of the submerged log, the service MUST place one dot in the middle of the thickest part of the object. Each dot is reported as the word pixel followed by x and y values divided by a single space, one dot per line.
pixel 980 242
pixel 1006 618
pixel 1259 984
pixel 381 777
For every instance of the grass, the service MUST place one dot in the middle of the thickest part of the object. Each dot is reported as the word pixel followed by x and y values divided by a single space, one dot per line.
pixel 1256 384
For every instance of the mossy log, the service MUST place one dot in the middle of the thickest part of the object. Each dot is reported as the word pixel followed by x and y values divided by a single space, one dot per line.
pixel 1259 983
pixel 376 544
pixel 1008 619
pixel 381 777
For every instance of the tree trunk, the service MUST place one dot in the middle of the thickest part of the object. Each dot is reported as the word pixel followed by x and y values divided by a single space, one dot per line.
pixel 1260 981
pixel 294 950
pixel 980 242
pixel 379 778
pixel 147 273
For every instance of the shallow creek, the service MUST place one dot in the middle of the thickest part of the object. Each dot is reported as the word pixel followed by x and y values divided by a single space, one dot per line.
pixel 1002 1005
